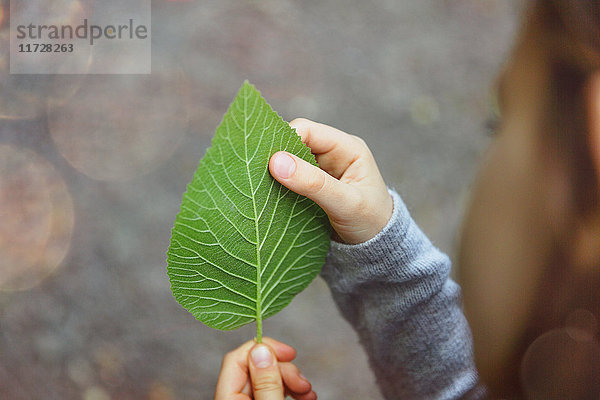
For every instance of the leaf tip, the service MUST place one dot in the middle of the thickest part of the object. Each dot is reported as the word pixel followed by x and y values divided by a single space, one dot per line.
pixel 248 85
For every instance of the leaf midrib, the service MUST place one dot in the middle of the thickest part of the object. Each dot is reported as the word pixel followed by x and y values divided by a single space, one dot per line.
pixel 258 263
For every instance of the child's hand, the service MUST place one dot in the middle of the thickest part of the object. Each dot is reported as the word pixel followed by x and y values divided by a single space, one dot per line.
pixel 348 187
pixel 262 372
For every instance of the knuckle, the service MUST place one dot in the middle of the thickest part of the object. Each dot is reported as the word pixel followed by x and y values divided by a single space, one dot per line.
pixel 360 142
pixel 316 183
pixel 288 370
pixel 358 203
pixel 267 383
pixel 229 357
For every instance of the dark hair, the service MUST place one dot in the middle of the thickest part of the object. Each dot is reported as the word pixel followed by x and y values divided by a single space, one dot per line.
pixel 569 33
pixel 569 30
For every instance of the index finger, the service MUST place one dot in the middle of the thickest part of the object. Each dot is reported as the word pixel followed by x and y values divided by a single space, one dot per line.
pixel 321 138
pixel 234 373
pixel 284 352
pixel 335 150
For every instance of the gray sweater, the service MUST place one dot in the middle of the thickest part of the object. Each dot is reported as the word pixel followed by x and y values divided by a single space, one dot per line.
pixel 396 292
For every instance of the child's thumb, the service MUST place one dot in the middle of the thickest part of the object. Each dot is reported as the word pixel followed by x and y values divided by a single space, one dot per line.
pixel 264 374
pixel 307 180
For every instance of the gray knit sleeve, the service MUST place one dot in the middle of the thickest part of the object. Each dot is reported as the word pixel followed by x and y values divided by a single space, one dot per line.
pixel 396 292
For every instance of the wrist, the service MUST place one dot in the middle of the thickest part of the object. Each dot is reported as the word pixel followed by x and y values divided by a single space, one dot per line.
pixel 395 223
pixel 372 219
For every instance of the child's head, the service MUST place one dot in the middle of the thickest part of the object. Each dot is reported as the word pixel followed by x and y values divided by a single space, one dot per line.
pixel 530 250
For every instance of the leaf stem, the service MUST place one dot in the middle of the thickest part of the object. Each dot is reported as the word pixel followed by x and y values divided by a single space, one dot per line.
pixel 258 329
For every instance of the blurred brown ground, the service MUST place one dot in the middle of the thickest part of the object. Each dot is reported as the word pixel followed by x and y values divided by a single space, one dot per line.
pixel 411 77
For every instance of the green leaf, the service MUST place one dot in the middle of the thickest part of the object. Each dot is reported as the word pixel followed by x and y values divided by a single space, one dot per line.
pixel 243 245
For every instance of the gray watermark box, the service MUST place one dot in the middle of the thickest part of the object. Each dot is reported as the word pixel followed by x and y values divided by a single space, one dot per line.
pixel 80 37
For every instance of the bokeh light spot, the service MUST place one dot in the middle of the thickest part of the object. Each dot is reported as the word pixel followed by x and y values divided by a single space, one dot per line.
pixel 120 126
pixel 37 218
pixel 424 110
pixel 560 366
pixel 160 391
pixel 582 324
pixel 80 371
pixel 95 393
pixel 109 360
pixel 26 96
